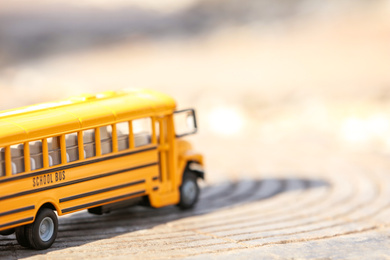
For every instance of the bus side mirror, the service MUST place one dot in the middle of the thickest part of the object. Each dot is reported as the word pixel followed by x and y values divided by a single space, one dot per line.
pixel 185 122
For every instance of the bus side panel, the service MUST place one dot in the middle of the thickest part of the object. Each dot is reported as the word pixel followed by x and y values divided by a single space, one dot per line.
pixel 126 185
pixel 20 199
pixel 80 185
pixel 16 212
pixel 109 181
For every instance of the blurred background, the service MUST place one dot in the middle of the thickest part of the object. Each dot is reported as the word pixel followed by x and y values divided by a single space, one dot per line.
pixel 277 85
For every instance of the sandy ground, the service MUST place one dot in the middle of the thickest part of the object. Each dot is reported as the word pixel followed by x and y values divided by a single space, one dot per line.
pixel 304 99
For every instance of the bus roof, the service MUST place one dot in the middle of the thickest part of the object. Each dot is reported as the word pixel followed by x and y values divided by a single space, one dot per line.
pixel 85 111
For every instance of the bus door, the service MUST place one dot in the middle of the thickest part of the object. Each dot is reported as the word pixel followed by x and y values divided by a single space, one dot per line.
pixel 163 128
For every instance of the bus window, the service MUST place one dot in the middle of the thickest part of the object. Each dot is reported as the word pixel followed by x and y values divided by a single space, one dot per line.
pixel 142 129
pixel 36 155
pixel 54 150
pixel 89 143
pixel 17 158
pixel 122 130
pixel 2 162
pixel 157 129
pixel 72 147
pixel 106 139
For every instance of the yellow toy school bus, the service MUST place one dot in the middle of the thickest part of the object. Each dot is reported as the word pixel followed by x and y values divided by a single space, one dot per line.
pixel 93 152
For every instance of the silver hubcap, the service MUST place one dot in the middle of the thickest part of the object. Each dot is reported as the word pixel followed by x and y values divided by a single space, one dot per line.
pixel 189 192
pixel 46 229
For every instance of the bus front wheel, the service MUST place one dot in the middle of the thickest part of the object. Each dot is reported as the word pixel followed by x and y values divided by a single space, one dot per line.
pixel 43 231
pixel 189 191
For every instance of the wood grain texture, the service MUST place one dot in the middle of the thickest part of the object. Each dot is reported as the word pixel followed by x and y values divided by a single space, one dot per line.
pixel 342 213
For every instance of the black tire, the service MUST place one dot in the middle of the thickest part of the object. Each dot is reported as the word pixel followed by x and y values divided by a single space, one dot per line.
pixel 42 233
pixel 189 191
pixel 7 232
pixel 21 236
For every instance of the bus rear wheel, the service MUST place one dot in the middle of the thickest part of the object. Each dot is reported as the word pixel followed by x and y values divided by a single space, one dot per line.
pixel 43 231
pixel 189 191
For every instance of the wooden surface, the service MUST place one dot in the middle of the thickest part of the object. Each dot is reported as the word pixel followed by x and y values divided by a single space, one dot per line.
pixel 342 211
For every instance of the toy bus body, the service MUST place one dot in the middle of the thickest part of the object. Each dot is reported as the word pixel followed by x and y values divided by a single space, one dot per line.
pixel 91 152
